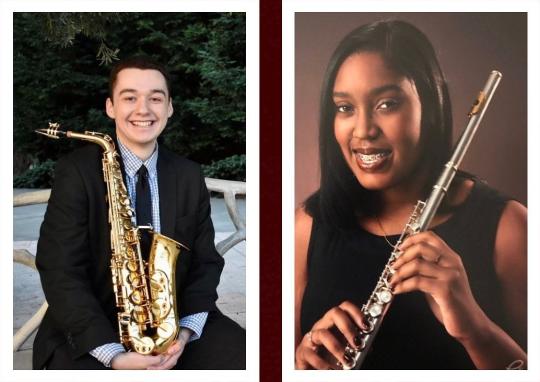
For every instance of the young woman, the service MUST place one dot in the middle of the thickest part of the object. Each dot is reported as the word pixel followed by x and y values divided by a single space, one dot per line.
pixel 385 134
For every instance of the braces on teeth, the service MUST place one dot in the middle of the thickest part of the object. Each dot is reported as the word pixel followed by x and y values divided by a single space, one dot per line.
pixel 368 159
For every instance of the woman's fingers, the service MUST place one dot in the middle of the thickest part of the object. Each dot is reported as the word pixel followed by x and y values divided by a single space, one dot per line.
pixel 429 237
pixel 423 250
pixel 416 267
pixel 325 344
pixel 314 360
pixel 355 312
pixel 308 355
pixel 346 318
pixel 421 268
pixel 427 264
pixel 327 339
pixel 424 284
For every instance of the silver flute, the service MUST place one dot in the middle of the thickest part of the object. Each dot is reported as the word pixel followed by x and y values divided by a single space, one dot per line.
pixel 378 303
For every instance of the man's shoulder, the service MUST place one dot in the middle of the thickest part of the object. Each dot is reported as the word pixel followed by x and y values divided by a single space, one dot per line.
pixel 86 156
pixel 178 161
pixel 84 152
pixel 80 169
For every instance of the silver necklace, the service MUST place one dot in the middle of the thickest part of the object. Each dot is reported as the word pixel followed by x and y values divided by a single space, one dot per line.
pixel 384 232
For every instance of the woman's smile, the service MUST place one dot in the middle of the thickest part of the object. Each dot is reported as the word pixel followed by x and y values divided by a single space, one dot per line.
pixel 372 159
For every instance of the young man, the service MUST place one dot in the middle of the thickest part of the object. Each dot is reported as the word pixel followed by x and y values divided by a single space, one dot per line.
pixel 80 329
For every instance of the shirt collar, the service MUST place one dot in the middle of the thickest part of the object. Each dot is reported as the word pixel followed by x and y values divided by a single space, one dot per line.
pixel 132 163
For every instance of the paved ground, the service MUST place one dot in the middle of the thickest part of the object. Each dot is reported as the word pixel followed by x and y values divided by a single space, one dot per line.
pixel 28 297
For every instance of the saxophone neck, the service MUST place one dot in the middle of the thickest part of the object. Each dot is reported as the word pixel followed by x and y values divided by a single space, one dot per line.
pixel 104 140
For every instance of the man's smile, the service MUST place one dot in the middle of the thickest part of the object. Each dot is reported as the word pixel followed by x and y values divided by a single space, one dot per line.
pixel 142 123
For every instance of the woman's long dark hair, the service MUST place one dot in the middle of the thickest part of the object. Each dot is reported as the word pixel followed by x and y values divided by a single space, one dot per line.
pixel 340 198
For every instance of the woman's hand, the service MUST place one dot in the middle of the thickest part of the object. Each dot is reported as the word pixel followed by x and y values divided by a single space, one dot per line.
pixel 327 335
pixel 429 265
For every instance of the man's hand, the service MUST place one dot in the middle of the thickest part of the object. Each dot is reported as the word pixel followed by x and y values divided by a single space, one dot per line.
pixel 135 361
pixel 174 352
pixel 165 361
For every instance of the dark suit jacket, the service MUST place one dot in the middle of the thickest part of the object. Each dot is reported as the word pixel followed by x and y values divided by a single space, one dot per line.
pixel 73 253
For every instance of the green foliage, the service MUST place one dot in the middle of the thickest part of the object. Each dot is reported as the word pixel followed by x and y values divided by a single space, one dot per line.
pixel 58 78
pixel 231 168
pixel 39 176
pixel 61 28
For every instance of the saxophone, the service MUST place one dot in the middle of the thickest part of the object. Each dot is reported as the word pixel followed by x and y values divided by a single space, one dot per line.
pixel 145 291
pixel 378 303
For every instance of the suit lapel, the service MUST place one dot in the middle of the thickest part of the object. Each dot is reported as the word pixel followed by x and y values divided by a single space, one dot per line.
pixel 167 193
pixel 120 161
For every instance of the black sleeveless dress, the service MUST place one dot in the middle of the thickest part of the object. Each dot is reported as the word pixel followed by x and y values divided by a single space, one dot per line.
pixel 345 265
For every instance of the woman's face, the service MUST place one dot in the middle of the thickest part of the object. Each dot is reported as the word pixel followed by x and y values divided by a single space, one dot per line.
pixel 377 122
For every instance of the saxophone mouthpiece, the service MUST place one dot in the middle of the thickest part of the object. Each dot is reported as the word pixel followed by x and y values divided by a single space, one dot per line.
pixel 52 132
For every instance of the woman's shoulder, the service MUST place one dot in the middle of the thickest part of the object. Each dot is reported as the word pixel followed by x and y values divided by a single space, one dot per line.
pixel 511 239
pixel 468 189
pixel 460 191
pixel 510 262
pixel 515 213
pixel 507 216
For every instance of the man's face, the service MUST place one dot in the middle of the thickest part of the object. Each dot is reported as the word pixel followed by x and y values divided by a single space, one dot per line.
pixel 140 106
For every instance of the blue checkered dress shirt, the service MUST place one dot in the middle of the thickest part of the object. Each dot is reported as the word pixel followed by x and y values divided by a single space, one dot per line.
pixel 132 163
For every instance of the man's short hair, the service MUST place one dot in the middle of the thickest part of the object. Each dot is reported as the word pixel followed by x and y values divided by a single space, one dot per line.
pixel 138 62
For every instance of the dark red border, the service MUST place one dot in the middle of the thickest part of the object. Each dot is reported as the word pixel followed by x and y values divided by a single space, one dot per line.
pixel 270 190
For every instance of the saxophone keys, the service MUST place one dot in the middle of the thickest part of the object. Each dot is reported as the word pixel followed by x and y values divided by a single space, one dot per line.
pixel 157 286
pixel 165 330
pixel 160 308
pixel 139 315
pixel 136 297
pixel 144 345
pixel 159 283
pixel 132 266
pixel 135 280
pixel 123 319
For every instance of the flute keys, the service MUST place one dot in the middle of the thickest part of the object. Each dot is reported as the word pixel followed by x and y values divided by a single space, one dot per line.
pixel 385 296
pixel 365 331
pixel 375 310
